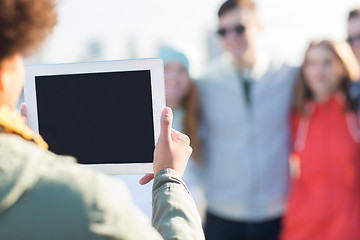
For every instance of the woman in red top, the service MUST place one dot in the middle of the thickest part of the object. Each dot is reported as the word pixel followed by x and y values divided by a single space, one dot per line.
pixel 324 201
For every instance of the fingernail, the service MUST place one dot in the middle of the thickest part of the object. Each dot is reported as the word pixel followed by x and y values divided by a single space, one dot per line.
pixel 167 112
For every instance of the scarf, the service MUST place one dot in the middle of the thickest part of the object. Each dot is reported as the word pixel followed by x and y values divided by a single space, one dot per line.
pixel 12 122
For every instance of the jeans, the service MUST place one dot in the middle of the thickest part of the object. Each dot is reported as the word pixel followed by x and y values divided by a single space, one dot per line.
pixel 217 228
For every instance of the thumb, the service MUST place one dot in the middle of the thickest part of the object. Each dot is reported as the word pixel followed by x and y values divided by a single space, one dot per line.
pixel 165 124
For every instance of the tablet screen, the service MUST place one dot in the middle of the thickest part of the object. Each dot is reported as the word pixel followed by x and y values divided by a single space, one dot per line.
pixel 97 117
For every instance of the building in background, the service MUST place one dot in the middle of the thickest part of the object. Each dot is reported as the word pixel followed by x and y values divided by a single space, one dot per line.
pixel 113 29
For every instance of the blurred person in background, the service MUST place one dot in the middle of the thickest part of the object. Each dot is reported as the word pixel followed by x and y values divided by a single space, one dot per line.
pixel 246 102
pixel 354 40
pixel 324 201
pixel 46 196
pixel 354 32
pixel 182 96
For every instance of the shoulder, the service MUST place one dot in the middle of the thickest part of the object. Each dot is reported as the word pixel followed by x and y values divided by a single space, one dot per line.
pixel 283 69
pixel 27 156
pixel 291 69
pixel 65 190
pixel 216 69
pixel 58 174
pixel 52 168
pixel 217 74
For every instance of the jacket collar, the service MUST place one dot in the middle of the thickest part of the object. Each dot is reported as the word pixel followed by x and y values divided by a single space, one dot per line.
pixel 12 122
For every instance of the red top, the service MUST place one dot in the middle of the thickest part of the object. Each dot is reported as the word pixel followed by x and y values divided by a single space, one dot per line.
pixel 324 201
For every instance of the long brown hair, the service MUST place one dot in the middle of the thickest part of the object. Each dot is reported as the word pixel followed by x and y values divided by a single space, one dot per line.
pixel 343 52
pixel 191 121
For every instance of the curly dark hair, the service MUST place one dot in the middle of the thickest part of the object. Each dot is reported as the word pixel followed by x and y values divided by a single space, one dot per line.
pixel 24 24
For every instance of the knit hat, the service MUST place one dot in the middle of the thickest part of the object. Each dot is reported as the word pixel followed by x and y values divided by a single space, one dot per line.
pixel 168 54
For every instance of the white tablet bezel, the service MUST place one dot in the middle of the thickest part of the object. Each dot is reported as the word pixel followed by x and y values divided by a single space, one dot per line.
pixel 157 87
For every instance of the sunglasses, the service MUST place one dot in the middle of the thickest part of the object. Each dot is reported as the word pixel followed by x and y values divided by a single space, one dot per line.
pixel 238 29
pixel 352 40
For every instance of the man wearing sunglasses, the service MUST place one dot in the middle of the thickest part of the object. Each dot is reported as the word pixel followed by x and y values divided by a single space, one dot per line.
pixel 246 102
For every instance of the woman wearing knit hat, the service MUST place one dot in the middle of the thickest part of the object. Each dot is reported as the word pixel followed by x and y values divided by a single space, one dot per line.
pixel 182 96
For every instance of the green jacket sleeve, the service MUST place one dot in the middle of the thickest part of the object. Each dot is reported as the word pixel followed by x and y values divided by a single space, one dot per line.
pixel 46 196
pixel 175 215
pixel 112 214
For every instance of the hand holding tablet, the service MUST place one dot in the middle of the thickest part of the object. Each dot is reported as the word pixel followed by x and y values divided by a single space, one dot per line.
pixel 172 150
pixel 107 114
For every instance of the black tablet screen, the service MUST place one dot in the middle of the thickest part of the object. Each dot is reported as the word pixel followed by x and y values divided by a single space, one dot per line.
pixel 97 117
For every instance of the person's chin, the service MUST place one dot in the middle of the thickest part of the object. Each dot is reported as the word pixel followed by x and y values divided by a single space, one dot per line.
pixel 238 57
pixel 238 54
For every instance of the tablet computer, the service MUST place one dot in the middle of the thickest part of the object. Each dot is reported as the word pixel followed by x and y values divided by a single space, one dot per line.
pixel 106 114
